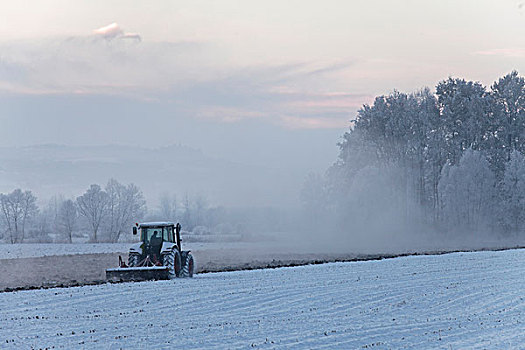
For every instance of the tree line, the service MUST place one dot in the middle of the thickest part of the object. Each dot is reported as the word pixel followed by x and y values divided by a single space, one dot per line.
pixel 453 158
pixel 104 214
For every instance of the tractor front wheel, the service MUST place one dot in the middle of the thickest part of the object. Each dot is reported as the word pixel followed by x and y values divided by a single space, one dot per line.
pixel 133 259
pixel 172 262
pixel 189 265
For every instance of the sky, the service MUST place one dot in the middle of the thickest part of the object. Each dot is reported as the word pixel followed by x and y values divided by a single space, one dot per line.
pixel 273 83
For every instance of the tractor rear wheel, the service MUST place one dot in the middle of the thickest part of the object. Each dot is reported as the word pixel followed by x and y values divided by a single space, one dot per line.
pixel 133 259
pixel 189 265
pixel 172 261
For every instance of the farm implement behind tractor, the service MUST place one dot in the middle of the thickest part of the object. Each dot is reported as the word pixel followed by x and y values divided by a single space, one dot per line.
pixel 158 255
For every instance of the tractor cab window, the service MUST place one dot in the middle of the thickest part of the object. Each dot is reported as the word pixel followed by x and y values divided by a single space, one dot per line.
pixel 152 233
pixel 170 234
pixel 165 234
pixel 157 233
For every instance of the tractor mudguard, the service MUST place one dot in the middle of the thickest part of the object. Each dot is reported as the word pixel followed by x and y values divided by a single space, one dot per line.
pixel 136 248
pixel 167 247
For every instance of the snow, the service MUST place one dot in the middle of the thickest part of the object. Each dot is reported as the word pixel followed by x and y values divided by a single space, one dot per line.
pixel 460 300
pixel 34 250
pixel 117 269
pixel 157 223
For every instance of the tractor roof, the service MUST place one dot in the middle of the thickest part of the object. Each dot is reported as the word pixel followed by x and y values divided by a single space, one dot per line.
pixel 156 224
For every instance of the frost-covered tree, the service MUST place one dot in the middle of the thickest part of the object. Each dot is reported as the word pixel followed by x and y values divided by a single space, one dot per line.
pixel 426 136
pixel 377 196
pixel 125 205
pixel 45 225
pixel 42 226
pixel 93 205
pixel 464 116
pixel 67 218
pixel 399 130
pixel 168 207
pixel 467 192
pixel 200 208
pixel 513 193
pixel 187 216
pixel 194 212
pixel 508 99
pixel 18 209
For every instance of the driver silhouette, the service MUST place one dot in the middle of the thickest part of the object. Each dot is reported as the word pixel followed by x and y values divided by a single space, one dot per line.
pixel 155 238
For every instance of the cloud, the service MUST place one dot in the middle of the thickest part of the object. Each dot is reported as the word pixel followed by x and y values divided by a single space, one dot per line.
pixel 196 77
pixel 505 52
pixel 133 36
pixel 113 30
pixel 227 114
pixel 110 31
pixel 281 95
pixel 331 101
pixel 295 122
pixel 331 68
pixel 93 64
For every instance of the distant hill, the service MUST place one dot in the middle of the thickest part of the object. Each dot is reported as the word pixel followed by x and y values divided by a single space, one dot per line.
pixel 69 170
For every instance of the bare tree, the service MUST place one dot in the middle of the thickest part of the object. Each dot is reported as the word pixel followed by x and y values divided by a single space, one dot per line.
pixel 168 207
pixel 187 217
pixel 41 226
pixel 53 208
pixel 46 222
pixel 18 208
pixel 67 218
pixel 194 211
pixel 200 206
pixel 93 205
pixel 126 204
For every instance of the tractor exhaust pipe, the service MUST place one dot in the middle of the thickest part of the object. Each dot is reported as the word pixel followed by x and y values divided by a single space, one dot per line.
pixel 177 232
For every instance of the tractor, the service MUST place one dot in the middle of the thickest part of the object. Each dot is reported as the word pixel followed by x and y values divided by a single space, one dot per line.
pixel 157 256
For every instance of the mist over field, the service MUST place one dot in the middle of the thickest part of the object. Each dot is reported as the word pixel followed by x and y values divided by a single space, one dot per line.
pixel 416 172
pixel 430 170
pixel 69 170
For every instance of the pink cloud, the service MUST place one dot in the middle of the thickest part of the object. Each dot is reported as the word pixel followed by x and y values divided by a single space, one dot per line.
pixel 330 101
pixel 228 114
pixel 134 36
pixel 110 31
pixel 507 52
pixel 113 30
pixel 340 103
pixel 325 100
pixel 293 122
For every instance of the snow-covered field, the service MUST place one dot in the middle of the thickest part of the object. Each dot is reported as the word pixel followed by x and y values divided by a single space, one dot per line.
pixel 281 244
pixel 453 301
pixel 35 250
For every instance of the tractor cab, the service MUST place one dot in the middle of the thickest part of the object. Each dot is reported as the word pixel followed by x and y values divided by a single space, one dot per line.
pixel 157 236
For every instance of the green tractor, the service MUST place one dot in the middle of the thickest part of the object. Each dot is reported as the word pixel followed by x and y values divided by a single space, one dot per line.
pixel 157 256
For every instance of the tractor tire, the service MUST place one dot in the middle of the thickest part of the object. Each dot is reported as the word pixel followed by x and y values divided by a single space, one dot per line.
pixel 133 259
pixel 173 262
pixel 189 266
